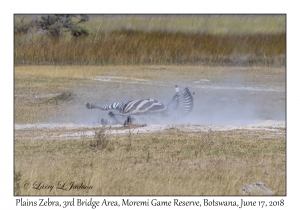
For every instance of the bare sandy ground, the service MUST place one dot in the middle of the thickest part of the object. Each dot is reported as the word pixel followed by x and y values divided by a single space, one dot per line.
pixel 79 131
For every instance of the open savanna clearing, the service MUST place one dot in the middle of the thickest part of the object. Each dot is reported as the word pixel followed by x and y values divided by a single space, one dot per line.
pixel 236 134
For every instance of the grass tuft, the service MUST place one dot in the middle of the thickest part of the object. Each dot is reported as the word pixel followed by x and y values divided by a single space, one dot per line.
pixel 100 139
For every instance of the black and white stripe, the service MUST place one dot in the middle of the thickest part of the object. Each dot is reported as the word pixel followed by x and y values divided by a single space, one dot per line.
pixel 138 110
pixel 150 110
pixel 181 104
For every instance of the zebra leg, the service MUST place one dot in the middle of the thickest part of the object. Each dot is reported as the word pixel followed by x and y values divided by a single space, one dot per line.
pixel 128 121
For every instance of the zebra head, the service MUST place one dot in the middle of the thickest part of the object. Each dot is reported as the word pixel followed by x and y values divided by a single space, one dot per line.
pixel 182 102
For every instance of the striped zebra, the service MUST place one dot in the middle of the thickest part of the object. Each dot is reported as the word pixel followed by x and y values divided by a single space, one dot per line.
pixel 148 110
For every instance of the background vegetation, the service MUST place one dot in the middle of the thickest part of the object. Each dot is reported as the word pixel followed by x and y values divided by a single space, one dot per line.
pixel 150 39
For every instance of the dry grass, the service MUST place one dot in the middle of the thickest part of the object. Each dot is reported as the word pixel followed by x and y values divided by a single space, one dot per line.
pixel 37 75
pixel 155 48
pixel 166 163
pixel 208 24
pixel 160 40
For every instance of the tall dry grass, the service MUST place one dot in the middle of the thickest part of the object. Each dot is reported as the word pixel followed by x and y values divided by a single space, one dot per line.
pixel 168 40
pixel 160 48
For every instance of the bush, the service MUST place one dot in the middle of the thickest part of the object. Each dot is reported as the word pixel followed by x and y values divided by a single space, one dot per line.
pixel 22 24
pixel 56 25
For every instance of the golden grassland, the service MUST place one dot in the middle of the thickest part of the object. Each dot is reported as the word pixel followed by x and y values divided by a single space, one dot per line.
pixel 156 48
pixel 161 40
pixel 165 163
pixel 171 162
pixel 37 74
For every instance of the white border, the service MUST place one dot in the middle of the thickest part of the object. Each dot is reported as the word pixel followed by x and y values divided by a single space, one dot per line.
pixel 33 6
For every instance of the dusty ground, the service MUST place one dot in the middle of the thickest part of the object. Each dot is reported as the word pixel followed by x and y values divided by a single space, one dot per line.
pixel 50 101
pixel 267 129
pixel 236 134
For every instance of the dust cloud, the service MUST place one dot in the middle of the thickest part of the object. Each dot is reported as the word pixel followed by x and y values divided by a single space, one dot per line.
pixel 229 102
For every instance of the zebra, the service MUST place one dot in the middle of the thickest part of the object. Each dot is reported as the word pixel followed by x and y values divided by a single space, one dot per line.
pixel 150 110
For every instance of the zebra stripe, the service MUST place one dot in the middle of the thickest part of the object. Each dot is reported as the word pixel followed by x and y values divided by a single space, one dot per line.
pixel 135 107
pixel 117 105
pixel 179 106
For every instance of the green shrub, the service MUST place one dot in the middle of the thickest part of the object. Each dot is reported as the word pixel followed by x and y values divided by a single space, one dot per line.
pixel 23 24
pixel 57 25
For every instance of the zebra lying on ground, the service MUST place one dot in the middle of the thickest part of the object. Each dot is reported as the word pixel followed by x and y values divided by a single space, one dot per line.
pixel 148 110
